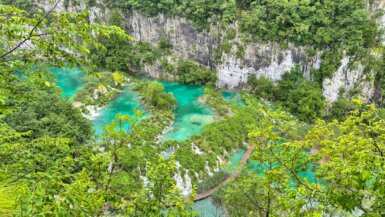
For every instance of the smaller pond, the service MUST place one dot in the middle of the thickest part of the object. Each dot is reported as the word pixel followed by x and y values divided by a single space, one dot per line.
pixel 126 103
pixel 190 115
pixel 236 157
pixel 207 208
pixel 69 80
pixel 234 97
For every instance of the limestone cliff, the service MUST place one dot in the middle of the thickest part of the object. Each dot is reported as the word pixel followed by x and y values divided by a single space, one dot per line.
pixel 259 58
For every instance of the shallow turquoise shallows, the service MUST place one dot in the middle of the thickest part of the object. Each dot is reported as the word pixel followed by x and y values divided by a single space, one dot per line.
pixel 229 95
pixel 190 115
pixel 69 80
pixel 126 103
pixel 237 156
pixel 207 208
pixel 234 97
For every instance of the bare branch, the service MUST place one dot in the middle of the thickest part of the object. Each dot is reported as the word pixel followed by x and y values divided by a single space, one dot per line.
pixel 31 33
pixel 292 172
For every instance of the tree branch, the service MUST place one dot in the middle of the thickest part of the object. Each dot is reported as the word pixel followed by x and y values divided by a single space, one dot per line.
pixel 292 172
pixel 31 33
pixel 251 200
pixel 375 142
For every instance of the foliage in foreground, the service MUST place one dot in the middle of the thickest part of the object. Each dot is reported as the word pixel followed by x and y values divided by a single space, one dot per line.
pixel 58 173
pixel 337 169
pixel 45 113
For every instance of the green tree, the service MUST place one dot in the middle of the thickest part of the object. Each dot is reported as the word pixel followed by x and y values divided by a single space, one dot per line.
pixel 262 87
pixel 46 114
pixel 165 199
pixel 306 101
pixel 153 94
pixel 30 42
pixel 193 73
pixel 338 168
pixel 53 171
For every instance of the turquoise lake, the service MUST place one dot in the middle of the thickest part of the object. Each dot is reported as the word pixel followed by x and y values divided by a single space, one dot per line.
pixel 207 208
pixel 237 156
pixel 69 80
pixel 190 115
pixel 190 119
pixel 234 97
pixel 126 103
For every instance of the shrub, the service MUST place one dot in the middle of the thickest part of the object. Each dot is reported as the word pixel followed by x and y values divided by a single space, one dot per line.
pixel 212 181
pixel 261 86
pixel 192 73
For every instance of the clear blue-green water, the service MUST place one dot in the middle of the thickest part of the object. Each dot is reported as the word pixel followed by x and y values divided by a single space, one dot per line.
pixel 234 97
pixel 190 115
pixel 229 95
pixel 237 156
pixel 69 80
pixel 207 208
pixel 126 103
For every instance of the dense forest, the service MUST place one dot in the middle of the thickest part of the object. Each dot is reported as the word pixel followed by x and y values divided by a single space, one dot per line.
pixel 87 130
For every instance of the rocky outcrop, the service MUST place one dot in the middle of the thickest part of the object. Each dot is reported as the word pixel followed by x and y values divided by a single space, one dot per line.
pixel 262 59
pixel 346 79
pixel 98 13
pixel 187 41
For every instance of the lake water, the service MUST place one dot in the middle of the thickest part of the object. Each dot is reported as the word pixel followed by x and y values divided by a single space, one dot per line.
pixel 126 103
pixel 69 80
pixel 190 115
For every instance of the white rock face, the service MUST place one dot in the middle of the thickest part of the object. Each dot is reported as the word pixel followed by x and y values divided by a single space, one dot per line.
pixel 262 59
pixel 266 60
pixel 188 42
pixel 96 13
pixel 347 79
pixel 378 6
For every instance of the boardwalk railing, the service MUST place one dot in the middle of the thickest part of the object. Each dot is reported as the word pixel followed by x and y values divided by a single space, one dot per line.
pixel 233 176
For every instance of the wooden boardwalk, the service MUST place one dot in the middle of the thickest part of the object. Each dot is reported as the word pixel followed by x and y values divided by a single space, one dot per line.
pixel 229 179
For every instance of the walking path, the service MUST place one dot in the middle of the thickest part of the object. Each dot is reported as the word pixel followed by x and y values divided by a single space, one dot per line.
pixel 229 179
